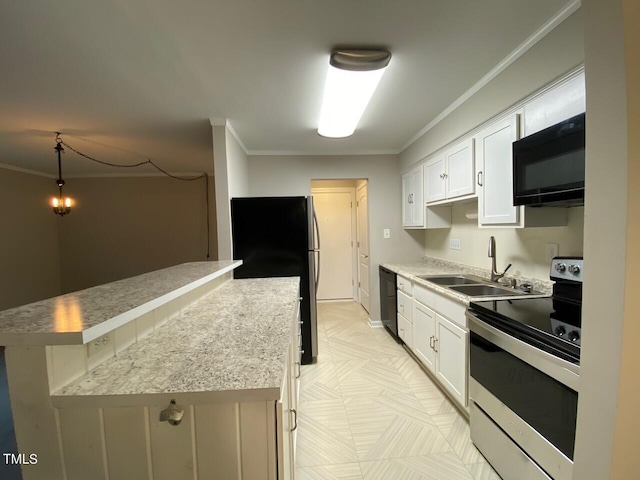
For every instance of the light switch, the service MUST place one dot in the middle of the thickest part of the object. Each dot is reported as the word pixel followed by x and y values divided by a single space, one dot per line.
pixel 455 244
pixel 386 233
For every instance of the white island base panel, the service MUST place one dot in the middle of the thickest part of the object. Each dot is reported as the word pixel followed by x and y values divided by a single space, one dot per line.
pixel 226 440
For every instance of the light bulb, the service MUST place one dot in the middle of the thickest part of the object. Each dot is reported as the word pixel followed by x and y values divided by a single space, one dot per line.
pixel 67 202
pixel 54 202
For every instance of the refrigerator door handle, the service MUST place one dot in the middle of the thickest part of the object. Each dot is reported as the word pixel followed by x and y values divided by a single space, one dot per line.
pixel 317 230
pixel 318 272
pixel 316 234
pixel 313 306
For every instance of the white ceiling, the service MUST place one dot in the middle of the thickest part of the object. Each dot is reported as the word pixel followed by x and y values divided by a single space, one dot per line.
pixel 146 76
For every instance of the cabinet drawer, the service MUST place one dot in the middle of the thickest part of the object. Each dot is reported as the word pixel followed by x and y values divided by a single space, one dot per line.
pixel 425 296
pixel 405 304
pixel 405 331
pixel 404 285
pixel 453 310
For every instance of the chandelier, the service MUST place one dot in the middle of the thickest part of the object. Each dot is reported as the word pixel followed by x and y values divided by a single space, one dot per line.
pixel 61 205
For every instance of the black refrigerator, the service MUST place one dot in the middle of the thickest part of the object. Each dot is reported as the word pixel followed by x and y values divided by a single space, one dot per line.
pixel 278 237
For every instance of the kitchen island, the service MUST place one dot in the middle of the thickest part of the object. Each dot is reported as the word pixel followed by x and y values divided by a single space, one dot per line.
pixel 92 375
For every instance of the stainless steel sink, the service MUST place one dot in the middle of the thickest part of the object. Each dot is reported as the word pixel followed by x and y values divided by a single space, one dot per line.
pixel 485 291
pixel 447 280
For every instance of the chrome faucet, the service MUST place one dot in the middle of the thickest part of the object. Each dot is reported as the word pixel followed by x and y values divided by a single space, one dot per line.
pixel 495 276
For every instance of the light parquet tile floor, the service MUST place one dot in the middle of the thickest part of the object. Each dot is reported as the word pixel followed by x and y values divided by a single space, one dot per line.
pixel 368 412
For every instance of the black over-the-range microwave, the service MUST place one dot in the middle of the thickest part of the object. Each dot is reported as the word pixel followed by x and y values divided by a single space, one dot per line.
pixel 548 166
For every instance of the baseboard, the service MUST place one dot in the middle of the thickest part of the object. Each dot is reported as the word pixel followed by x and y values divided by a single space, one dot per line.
pixel 375 323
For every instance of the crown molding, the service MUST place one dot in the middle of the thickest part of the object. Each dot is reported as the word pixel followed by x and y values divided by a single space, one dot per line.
pixel 5 166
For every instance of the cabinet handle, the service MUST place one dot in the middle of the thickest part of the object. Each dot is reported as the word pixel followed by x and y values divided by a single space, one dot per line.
pixel 431 341
pixel 299 372
pixel 480 178
pixel 435 344
pixel 401 285
pixel 295 419
pixel 402 307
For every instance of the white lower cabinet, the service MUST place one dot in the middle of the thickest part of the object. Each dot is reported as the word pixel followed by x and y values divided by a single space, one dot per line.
pixel 451 348
pixel 439 343
pixel 405 331
pixel 424 330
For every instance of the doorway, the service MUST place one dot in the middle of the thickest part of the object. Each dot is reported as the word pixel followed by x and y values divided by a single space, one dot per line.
pixel 344 243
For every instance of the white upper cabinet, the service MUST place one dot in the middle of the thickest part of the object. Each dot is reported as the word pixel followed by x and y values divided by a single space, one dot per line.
pixel 561 102
pixel 412 199
pixel 494 156
pixel 407 207
pixel 450 175
pixel 460 170
pixel 434 184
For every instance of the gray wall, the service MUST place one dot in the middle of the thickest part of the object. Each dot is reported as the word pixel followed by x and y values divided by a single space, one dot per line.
pixel 29 260
pixel 122 227
pixel 551 57
pixel 292 175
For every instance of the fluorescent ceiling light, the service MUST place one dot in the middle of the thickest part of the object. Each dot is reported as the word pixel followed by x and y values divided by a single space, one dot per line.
pixel 351 80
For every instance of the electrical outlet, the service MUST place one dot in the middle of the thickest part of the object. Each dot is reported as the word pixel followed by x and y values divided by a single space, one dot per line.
pixel 552 251
pixel 98 345
pixel 386 233
pixel 454 244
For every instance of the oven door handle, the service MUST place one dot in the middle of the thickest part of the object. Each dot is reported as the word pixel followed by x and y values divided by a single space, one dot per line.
pixel 561 370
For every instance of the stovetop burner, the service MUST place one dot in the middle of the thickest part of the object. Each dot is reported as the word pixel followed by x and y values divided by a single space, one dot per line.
pixel 552 323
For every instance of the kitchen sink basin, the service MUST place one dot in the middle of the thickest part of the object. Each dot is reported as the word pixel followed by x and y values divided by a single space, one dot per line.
pixel 485 291
pixel 447 280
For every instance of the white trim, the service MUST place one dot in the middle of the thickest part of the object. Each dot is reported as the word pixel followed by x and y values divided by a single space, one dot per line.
pixel 285 153
pixel 225 122
pixel 375 323
pixel 236 136
pixel 515 108
pixel 538 35
pixel 25 170
pixel 129 175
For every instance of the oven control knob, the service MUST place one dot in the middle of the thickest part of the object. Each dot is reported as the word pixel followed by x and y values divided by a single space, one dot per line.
pixel 560 267
pixel 560 331
pixel 574 336
pixel 575 269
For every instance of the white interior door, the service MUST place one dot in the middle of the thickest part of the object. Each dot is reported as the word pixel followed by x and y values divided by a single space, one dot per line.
pixel 334 209
pixel 363 246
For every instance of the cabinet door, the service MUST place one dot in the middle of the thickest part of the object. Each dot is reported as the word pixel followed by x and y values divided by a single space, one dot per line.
pixel 424 330
pixel 405 305
pixel 451 348
pixel 407 207
pixel 284 416
pixel 558 104
pixel 417 201
pixel 405 331
pixel 460 170
pixel 495 174
pixel 434 172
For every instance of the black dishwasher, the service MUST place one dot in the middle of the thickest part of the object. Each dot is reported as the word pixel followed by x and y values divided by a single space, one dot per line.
pixel 388 299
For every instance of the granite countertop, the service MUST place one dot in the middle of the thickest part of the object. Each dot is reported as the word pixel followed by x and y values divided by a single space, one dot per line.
pixel 436 266
pixel 236 338
pixel 79 317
